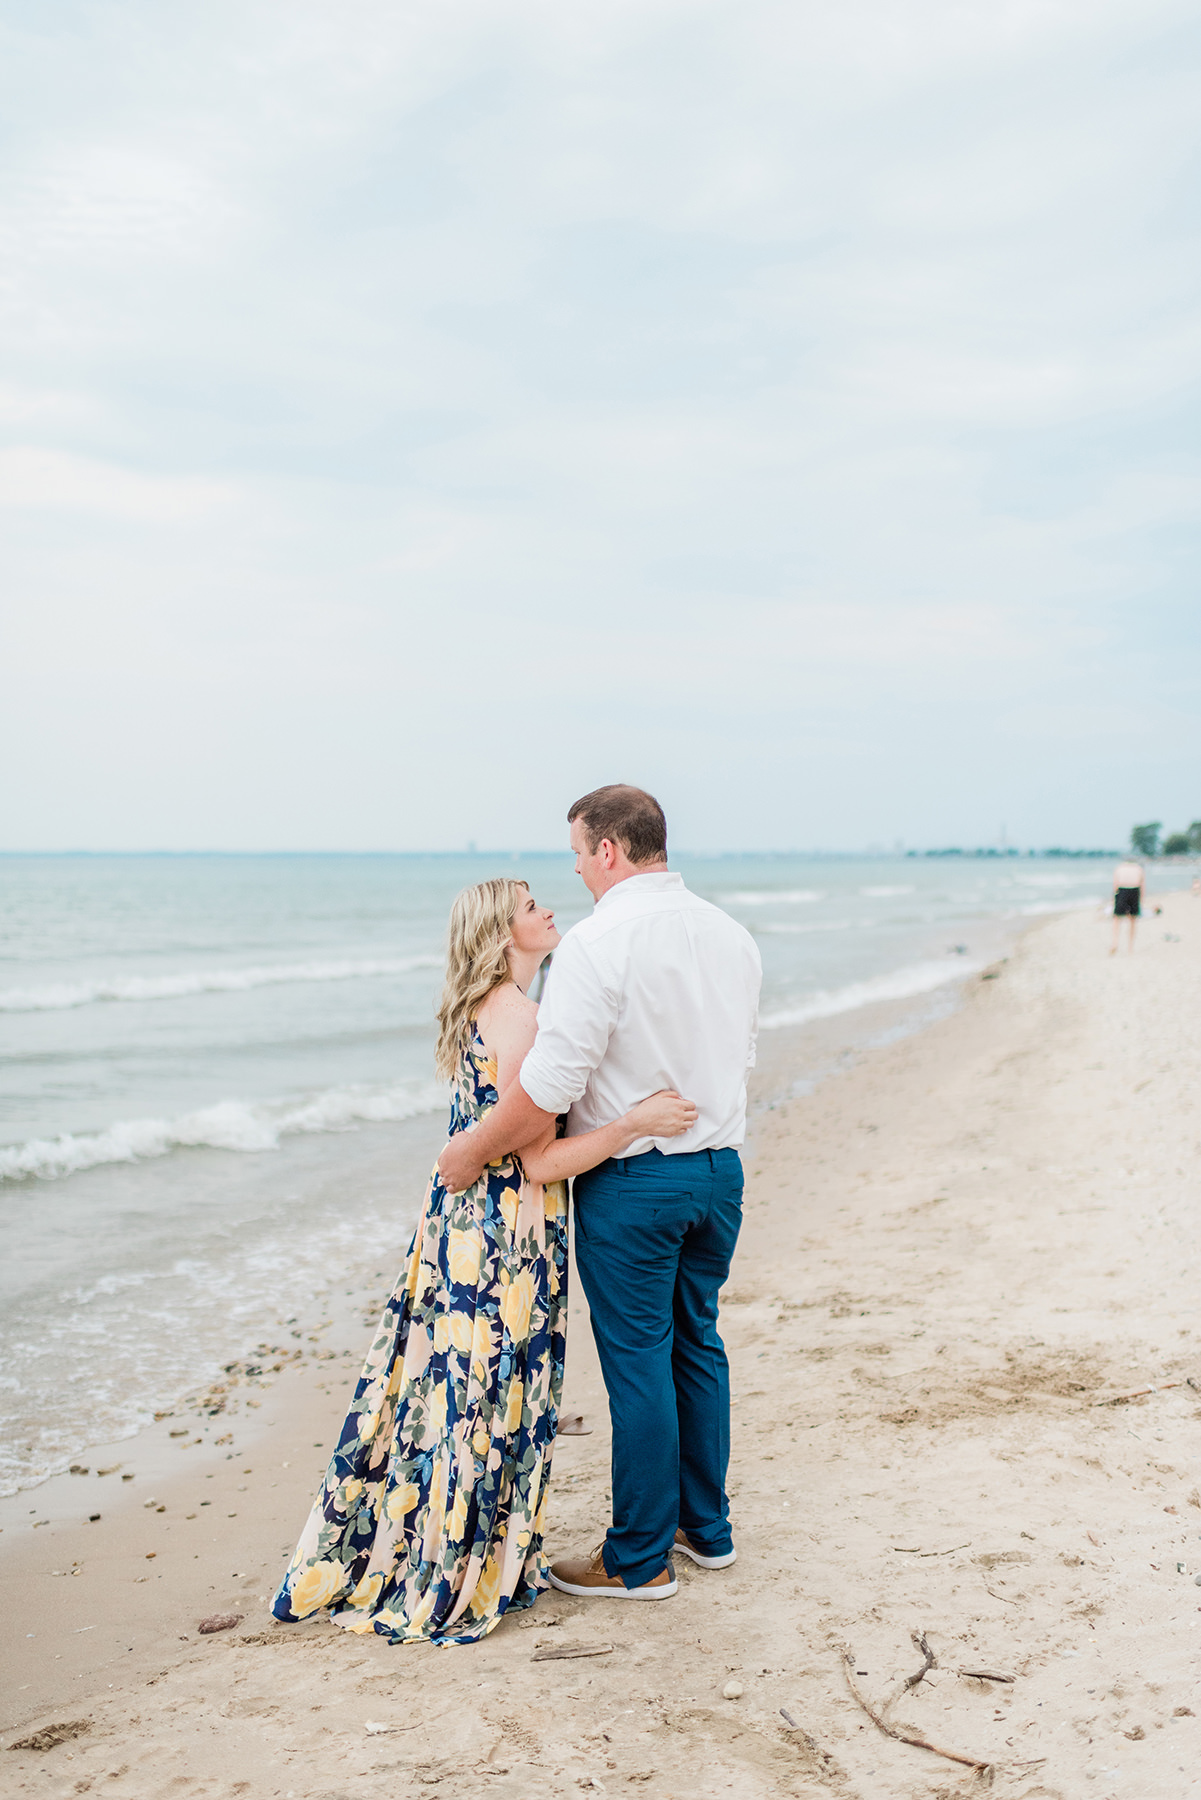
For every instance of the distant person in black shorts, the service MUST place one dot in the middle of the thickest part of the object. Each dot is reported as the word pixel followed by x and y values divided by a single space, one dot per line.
pixel 1129 885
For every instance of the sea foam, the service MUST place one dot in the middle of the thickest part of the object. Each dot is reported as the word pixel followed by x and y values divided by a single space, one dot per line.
pixel 773 896
pixel 57 996
pixel 230 1125
pixel 901 984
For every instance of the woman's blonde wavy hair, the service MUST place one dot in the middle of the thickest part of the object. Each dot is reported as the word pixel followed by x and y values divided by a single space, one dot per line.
pixel 479 934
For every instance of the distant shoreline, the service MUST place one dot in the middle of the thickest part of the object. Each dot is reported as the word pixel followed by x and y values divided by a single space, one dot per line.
pixel 991 852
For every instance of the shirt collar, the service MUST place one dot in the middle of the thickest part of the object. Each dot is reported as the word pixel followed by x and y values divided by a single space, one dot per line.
pixel 657 882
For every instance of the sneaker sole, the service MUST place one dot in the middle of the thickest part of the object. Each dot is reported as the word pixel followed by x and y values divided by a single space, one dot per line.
pixel 705 1562
pixel 614 1593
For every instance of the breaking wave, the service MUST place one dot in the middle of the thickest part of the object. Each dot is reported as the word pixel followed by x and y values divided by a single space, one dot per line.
pixel 901 984
pixel 773 896
pixel 58 996
pixel 230 1125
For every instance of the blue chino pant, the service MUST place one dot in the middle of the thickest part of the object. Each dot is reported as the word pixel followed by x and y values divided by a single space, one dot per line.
pixel 654 1236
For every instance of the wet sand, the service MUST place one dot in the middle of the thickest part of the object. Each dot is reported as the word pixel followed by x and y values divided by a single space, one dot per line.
pixel 956 1246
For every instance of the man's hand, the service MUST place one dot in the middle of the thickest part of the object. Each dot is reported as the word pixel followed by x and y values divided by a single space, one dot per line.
pixel 512 1123
pixel 460 1164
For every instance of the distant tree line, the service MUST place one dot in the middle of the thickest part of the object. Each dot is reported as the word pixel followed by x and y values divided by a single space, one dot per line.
pixel 1145 840
pixel 1055 850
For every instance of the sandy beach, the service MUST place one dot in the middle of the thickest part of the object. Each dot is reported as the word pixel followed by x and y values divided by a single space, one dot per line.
pixel 957 1249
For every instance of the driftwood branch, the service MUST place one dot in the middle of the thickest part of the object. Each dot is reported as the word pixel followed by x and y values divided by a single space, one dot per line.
pixel 1138 1393
pixel 928 1661
pixel 904 1550
pixel 895 1731
pixel 553 1652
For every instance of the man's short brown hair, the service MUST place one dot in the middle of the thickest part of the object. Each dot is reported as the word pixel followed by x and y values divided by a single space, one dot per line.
pixel 628 816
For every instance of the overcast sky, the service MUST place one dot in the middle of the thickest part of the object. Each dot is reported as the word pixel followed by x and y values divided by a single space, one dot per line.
pixel 414 415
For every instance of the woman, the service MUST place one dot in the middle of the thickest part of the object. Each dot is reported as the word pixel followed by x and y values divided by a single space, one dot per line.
pixel 429 1522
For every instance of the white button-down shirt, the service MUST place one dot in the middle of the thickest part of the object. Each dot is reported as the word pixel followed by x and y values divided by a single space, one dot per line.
pixel 657 989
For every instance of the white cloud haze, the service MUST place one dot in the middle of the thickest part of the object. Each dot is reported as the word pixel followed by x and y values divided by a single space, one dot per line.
pixel 412 415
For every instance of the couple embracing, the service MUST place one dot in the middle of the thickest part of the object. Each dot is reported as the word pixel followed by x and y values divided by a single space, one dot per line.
pixel 631 1079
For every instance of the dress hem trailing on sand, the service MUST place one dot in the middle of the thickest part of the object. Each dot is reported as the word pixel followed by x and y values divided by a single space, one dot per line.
pixel 428 1526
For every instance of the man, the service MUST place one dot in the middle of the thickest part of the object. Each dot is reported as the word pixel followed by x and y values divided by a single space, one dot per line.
pixel 657 989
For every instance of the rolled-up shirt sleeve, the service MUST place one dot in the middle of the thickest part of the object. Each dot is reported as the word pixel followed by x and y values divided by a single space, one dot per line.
pixel 575 1021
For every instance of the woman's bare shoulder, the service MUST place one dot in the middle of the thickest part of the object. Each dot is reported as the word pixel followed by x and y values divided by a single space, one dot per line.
pixel 506 1008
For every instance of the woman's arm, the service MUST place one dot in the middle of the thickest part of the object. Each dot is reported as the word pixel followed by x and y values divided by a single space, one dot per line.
pixel 553 1159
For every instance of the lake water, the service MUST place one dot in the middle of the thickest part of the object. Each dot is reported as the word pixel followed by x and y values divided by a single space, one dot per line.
pixel 217 1079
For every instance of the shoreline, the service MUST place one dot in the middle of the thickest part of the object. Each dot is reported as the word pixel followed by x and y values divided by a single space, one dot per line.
pixel 143 1488
pixel 384 1168
pixel 950 1254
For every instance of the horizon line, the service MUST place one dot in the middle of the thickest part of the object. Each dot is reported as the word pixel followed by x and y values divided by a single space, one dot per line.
pixel 1000 852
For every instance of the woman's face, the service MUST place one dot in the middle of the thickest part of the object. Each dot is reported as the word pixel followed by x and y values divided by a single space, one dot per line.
pixel 533 927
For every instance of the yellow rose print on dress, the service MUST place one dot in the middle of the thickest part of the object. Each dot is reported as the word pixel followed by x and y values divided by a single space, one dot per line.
pixel 437 1416
pixel 401 1502
pixel 414 1271
pixel 367 1593
pixel 385 1550
pixel 482 1343
pixel 515 1307
pixel 462 1332
pixel 317 1585
pixel 554 1200
pixel 436 1517
pixel 488 1585
pixel 463 1256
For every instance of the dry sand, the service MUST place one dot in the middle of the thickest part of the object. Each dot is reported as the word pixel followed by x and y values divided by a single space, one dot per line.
pixel 953 1252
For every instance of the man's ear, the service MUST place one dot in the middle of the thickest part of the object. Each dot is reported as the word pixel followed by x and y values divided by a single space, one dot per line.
pixel 608 851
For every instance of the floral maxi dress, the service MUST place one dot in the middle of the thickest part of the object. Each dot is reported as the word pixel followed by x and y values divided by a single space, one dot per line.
pixel 428 1525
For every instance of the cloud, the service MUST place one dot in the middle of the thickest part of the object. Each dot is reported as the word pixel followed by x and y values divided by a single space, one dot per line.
pixel 55 480
pixel 803 395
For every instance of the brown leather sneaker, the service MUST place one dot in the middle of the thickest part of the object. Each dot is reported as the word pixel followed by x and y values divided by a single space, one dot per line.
pixel 587 1576
pixel 698 1556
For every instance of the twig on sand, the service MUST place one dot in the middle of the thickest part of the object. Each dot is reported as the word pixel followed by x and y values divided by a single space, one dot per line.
pixel 1000 1595
pixel 911 1681
pixel 986 1675
pixel 881 1720
pixel 553 1652
pixel 1137 1393
pixel 823 1758
pixel 904 1550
